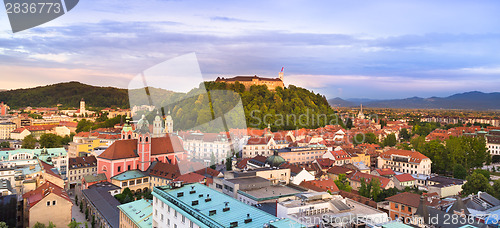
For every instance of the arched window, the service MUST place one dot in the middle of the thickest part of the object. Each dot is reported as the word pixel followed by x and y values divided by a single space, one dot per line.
pixel 129 136
pixel 140 139
pixel 147 139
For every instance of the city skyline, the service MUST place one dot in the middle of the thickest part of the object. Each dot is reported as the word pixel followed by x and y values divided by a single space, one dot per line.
pixel 377 50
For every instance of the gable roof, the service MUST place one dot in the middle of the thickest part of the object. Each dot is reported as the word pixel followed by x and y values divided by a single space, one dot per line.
pixel 368 177
pixel 35 196
pixel 189 178
pixel 406 198
pixel 165 170
pixel 80 162
pixel 414 156
pixel 385 172
pixel 48 169
pixel 122 149
pixel 320 185
pixel 404 177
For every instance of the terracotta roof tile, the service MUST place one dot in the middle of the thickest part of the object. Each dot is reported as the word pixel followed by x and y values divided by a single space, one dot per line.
pixel 35 196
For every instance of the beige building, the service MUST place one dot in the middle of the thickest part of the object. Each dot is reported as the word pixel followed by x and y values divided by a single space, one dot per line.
pixel 405 161
pixel 5 129
pixel 19 133
pixel 262 146
pixel 302 155
pixel 79 167
pixel 135 180
pixel 48 203
pixel 129 218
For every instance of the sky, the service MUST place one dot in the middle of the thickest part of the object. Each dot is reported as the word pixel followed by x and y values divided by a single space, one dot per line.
pixel 349 49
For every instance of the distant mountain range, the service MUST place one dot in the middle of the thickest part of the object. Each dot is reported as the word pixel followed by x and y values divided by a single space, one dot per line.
pixel 470 100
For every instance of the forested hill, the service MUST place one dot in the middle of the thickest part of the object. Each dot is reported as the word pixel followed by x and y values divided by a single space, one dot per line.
pixel 68 94
pixel 284 109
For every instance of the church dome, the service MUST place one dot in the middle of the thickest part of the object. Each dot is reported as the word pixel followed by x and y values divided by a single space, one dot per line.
pixel 142 125
pixel 275 160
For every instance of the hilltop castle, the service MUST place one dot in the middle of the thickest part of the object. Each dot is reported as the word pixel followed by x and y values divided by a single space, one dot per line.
pixel 247 81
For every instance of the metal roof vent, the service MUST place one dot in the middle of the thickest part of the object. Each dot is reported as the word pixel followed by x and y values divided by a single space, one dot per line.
pixel 248 219
pixel 226 208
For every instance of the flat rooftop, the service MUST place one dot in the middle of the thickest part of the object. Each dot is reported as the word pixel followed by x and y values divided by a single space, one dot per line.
pixel 247 180
pixel 211 213
pixel 271 192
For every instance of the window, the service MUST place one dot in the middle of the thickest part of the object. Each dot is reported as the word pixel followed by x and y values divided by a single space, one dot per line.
pixel 124 184
pixel 128 167
pixel 396 205
pixel 402 207
pixel 48 203
pixel 161 217
pixel 53 203
pixel 175 214
pixel 183 219
pixel 119 168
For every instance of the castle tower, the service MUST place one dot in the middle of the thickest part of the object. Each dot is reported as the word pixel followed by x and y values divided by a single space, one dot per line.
pixel 157 126
pixel 82 107
pixel 143 143
pixel 127 132
pixel 282 74
pixel 169 124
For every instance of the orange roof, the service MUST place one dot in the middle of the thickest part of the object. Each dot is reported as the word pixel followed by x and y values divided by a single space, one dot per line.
pixel 415 157
pixel 18 130
pixel 48 169
pixel 40 127
pixel 190 178
pixel 385 172
pixel 368 177
pixel 165 170
pixel 37 195
pixel 320 185
pixel 128 148
pixel 404 177
pixel 406 198
pixel 340 155
pixel 258 141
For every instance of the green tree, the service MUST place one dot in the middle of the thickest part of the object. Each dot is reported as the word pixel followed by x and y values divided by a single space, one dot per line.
pixel 485 173
pixel 84 125
pixel 39 225
pixel 364 189
pixel 349 123
pixel 459 172
pixel 375 189
pixel 50 141
pixel 212 159
pixel 74 224
pixel 404 134
pixel 496 189
pixel 476 182
pixel 3 225
pixel 29 142
pixel 342 183
pixel 4 144
pixel 390 140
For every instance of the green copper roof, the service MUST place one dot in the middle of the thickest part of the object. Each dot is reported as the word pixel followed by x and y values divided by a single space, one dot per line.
pixel 42 154
pixel 193 205
pixel 128 175
pixel 139 211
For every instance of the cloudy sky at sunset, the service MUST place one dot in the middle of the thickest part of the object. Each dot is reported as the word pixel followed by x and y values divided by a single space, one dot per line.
pixel 349 49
